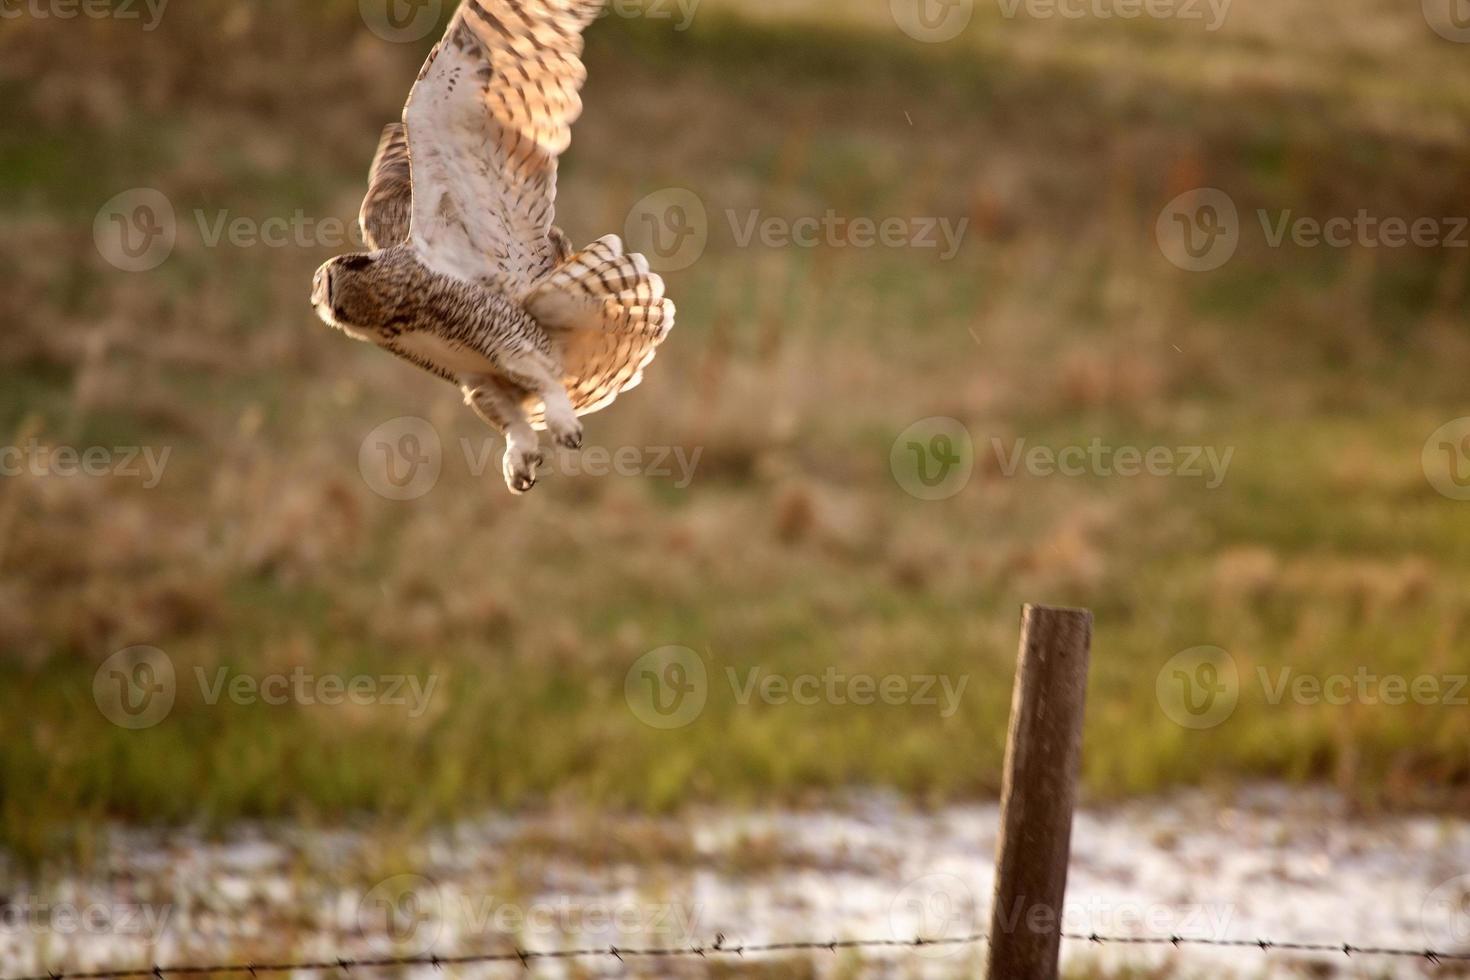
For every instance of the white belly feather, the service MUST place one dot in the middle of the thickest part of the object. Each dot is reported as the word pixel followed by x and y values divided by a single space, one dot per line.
pixel 449 355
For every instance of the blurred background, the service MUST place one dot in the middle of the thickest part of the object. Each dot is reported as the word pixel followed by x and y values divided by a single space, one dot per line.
pixel 1154 309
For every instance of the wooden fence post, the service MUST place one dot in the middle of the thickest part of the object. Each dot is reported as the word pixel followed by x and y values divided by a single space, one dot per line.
pixel 1039 791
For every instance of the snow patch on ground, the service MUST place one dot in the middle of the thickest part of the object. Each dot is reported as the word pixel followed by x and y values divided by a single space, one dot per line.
pixel 1270 863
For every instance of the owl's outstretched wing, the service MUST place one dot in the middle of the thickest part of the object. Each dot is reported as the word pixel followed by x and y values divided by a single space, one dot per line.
pixel 384 218
pixel 608 313
pixel 491 112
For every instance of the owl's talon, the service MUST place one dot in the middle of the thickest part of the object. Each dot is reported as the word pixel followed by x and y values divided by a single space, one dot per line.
pixel 563 424
pixel 520 469
pixel 570 440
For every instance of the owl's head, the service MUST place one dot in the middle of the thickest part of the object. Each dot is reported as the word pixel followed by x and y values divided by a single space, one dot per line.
pixel 345 293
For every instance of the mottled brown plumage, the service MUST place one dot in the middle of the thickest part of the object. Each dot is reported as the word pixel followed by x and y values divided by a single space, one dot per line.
pixel 388 207
pixel 467 277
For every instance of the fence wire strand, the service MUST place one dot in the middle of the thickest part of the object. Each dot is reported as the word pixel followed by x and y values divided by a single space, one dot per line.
pixel 525 957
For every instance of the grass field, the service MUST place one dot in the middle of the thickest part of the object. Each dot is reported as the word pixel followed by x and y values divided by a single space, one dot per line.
pixel 793 549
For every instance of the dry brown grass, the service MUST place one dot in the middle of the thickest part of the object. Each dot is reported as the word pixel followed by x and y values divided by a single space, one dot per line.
pixel 792 373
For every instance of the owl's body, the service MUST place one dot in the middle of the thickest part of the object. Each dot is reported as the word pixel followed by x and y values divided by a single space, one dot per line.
pixel 447 326
pixel 468 278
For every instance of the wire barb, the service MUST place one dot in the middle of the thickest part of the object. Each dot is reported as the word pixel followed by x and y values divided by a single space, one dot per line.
pixel 719 948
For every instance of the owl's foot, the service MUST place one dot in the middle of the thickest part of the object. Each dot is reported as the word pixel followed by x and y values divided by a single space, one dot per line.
pixel 568 438
pixel 536 374
pixel 562 422
pixel 520 468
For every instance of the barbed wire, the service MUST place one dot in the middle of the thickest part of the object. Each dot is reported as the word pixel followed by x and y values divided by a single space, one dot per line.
pixel 720 947
pixel 1270 945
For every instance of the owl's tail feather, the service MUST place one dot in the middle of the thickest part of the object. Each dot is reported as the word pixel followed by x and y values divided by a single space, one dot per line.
pixel 611 314
pixel 602 288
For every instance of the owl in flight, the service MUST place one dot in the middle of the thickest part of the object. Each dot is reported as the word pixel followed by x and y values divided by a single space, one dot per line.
pixel 467 277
